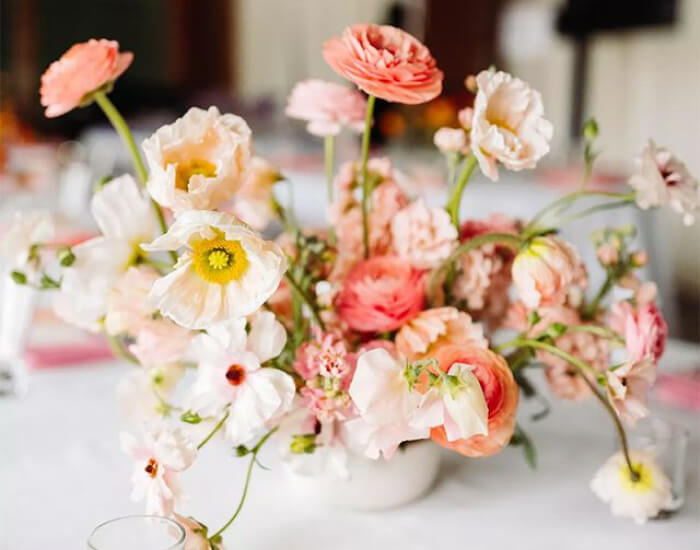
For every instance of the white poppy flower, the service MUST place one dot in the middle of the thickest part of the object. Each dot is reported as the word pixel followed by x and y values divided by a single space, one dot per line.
pixel 390 411
pixel 199 161
pixel 17 251
pixel 226 271
pixel 638 499
pixel 126 219
pixel 157 461
pixel 662 179
pixel 235 381
pixel 508 124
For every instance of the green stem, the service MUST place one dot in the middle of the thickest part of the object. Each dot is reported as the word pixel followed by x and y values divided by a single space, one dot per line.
pixel 363 174
pixel 118 349
pixel 505 239
pixel 304 298
pixel 593 210
pixel 329 157
pixel 216 429
pixel 455 199
pixel 592 308
pixel 249 472
pixel 122 128
pixel 603 332
pixel 576 362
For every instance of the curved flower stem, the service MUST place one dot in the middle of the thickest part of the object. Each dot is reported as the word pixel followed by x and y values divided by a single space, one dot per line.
pixel 603 332
pixel 506 239
pixel 122 128
pixel 584 368
pixel 216 429
pixel 592 308
pixel 455 199
pixel 253 458
pixel 329 157
pixel 304 297
pixel 363 174
pixel 594 209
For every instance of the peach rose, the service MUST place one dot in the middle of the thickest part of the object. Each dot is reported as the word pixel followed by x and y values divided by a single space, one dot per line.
pixel 380 294
pixel 327 107
pixel 437 327
pixel 501 394
pixel 385 62
pixel 84 68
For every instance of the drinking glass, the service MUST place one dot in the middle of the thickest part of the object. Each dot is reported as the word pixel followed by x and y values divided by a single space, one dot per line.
pixel 138 533
pixel 669 443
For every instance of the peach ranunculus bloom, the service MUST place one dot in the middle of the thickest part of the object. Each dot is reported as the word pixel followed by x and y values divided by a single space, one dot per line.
pixel 628 388
pixel 199 161
pixel 662 179
pixel 84 68
pixel 508 124
pixel 327 107
pixel 385 62
pixel 643 328
pixel 381 294
pixel 501 394
pixel 437 327
pixel 547 271
pixel 423 237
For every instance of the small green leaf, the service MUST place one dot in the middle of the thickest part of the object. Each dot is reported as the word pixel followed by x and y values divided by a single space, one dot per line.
pixel 190 417
pixel 48 283
pixel 19 277
pixel 520 438
pixel 65 256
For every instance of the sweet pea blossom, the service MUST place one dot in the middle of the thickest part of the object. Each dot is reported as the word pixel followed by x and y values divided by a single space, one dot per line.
pixel 226 270
pixel 157 461
pixel 508 124
pixel 424 237
pixel 385 62
pixel 545 271
pixel 126 219
pixel 199 161
pixel 327 107
pixel 84 68
pixel 639 499
pixel 380 294
pixel 628 387
pixel 661 179
pixel 20 241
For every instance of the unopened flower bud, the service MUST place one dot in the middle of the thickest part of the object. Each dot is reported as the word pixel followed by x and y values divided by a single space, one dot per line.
pixel 65 256
pixel 470 84
pixel 465 117
pixel 639 258
pixel 303 444
pixel 629 281
pixel 590 129
pixel 607 254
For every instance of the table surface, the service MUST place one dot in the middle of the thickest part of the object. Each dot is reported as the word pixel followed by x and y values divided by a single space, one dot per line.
pixel 62 473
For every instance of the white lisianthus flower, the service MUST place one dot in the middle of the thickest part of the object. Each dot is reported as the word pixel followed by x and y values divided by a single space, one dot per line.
pixel 126 219
pixel 234 381
pixel 226 271
pixel 199 161
pixel 638 499
pixel 424 237
pixel 662 179
pixel 390 412
pixel 508 124
pixel 18 244
pixel 157 461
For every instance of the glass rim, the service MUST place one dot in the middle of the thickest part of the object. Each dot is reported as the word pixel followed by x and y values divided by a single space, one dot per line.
pixel 171 521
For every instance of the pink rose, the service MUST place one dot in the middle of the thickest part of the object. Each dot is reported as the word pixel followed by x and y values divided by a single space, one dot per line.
pixel 84 68
pixel 643 327
pixel 385 62
pixel 381 294
pixel 327 107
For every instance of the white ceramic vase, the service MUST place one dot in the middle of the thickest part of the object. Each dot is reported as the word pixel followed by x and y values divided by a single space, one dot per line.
pixel 374 484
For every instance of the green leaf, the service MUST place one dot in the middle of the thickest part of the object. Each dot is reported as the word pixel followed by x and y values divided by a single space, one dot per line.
pixel 19 278
pixel 520 438
pixel 190 417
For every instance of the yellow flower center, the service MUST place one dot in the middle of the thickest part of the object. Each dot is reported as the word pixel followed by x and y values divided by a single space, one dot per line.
pixel 193 167
pixel 643 484
pixel 218 260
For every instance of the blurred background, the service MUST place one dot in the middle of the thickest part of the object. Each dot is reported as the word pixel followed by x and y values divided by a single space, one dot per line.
pixel 634 64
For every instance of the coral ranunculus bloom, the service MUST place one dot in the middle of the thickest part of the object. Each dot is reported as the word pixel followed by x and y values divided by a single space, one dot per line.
pixel 385 62
pixel 84 68
pixel 500 392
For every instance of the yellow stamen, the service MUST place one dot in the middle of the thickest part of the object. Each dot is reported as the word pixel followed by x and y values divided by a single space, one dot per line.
pixel 185 170
pixel 218 260
pixel 643 484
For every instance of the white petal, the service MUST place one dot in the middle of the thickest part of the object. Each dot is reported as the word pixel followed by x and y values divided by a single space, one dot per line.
pixel 122 211
pixel 267 336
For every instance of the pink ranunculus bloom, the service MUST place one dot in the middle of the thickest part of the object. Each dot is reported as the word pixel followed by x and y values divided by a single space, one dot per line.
pixel 628 388
pixel 84 68
pixel 643 328
pixel 385 62
pixel 380 294
pixel 545 272
pixel 437 327
pixel 327 107
pixel 423 237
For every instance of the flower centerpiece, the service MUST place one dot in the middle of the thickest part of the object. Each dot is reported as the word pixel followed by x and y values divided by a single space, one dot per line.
pixel 381 330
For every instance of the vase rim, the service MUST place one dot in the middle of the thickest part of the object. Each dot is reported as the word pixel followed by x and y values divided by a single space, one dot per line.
pixel 172 522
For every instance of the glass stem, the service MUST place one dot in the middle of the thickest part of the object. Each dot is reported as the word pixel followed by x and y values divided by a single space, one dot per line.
pixel 363 174
pixel 455 199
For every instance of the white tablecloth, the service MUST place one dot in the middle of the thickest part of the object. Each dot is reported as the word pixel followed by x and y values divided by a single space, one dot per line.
pixel 61 473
